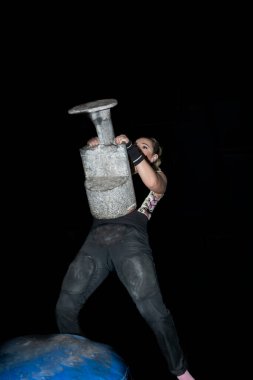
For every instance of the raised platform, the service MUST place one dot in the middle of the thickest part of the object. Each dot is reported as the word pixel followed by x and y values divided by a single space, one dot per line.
pixel 60 357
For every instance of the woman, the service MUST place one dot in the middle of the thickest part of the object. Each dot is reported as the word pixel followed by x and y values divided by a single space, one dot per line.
pixel 122 245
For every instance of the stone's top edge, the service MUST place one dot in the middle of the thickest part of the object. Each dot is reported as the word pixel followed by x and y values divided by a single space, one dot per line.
pixel 97 105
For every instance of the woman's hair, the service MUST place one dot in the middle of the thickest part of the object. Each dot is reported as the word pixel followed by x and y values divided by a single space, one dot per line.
pixel 157 149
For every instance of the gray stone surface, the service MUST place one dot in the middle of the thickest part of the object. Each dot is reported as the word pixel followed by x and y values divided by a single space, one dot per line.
pixel 108 178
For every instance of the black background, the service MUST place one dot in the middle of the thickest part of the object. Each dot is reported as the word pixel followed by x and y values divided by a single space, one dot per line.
pixel 186 80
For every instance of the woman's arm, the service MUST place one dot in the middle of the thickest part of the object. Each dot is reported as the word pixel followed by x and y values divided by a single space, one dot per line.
pixel 155 181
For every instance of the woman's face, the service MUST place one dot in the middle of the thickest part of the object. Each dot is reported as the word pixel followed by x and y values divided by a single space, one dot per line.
pixel 146 146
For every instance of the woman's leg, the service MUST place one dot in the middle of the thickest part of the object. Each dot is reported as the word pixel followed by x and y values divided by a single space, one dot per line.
pixel 135 268
pixel 84 275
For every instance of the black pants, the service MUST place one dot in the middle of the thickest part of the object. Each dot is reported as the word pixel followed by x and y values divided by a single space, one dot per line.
pixel 127 251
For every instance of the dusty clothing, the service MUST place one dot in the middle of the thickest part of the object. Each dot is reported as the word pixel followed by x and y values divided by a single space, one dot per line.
pixel 120 245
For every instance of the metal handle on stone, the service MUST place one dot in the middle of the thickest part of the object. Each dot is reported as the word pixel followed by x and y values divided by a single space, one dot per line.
pixel 99 113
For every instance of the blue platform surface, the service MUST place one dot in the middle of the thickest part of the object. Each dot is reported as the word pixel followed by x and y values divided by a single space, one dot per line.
pixel 60 357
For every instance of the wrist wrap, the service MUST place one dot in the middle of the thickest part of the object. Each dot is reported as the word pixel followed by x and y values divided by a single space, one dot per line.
pixel 135 154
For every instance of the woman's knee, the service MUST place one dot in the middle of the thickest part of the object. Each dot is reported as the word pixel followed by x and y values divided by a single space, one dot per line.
pixel 139 276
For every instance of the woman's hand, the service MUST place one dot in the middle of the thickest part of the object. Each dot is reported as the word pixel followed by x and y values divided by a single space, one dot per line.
pixel 121 139
pixel 94 141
